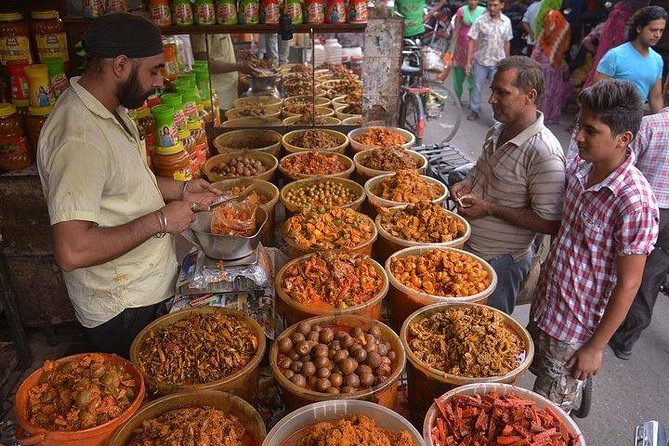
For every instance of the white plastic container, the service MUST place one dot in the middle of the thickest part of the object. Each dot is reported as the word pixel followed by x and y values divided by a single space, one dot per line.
pixel 333 49
pixel 320 56
pixel 283 433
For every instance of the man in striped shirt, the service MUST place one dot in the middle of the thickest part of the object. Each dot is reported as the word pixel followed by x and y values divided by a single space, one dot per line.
pixel 596 262
pixel 652 159
pixel 515 189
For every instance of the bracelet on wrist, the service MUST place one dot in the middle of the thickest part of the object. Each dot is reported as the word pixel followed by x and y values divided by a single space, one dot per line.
pixel 183 190
pixel 162 219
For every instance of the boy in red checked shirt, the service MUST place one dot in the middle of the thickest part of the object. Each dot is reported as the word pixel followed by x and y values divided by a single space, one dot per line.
pixel 609 225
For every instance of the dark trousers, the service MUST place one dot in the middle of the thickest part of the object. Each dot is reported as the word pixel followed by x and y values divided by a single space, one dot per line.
pixel 116 335
pixel 654 274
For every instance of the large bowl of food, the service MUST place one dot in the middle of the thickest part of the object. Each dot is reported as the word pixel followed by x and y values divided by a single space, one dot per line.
pixel 254 111
pixel 402 187
pixel 348 110
pixel 204 417
pixel 536 420
pixel 256 101
pixel 249 139
pixel 337 357
pixel 381 161
pixel 452 344
pixel 354 422
pixel 242 164
pixel 354 120
pixel 252 122
pixel 351 98
pixel 306 100
pixel 302 109
pixel 331 283
pixel 77 400
pixel 321 193
pixel 314 139
pixel 427 274
pixel 366 138
pixel 341 87
pixel 267 195
pixel 419 224
pixel 335 228
pixel 309 119
pixel 315 164
pixel 202 348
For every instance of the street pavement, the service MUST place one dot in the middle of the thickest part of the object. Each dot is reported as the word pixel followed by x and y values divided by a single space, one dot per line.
pixel 626 393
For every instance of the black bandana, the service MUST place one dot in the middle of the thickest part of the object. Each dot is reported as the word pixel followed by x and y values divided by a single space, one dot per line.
pixel 121 33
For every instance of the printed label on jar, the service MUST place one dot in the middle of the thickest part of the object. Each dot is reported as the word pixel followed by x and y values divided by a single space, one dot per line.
pixel 336 12
pixel 180 121
pixel 116 6
pixel 160 15
pixel 205 14
pixel 13 144
pixel 183 174
pixel 20 89
pixel 271 12
pixel 227 13
pixel 249 11
pixel 315 12
pixel 357 12
pixel 167 136
pixel 190 110
pixel 183 14
pixel 15 48
pixel 52 45
pixel 93 8
pixel 294 11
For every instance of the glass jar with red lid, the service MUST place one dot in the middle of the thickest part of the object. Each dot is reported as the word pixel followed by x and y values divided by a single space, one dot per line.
pixel 50 37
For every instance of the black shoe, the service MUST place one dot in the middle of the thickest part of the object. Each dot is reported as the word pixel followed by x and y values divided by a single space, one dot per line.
pixel 620 352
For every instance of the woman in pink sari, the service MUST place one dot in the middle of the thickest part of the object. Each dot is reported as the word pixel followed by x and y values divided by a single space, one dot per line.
pixel 464 19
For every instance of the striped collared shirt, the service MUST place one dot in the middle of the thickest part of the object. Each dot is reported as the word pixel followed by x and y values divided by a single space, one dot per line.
pixel 528 171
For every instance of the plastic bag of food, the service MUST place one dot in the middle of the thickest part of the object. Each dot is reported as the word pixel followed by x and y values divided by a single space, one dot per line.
pixel 236 217
pixel 432 60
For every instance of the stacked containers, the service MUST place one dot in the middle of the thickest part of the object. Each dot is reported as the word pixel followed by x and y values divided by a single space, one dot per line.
pixel 170 159
pixel 50 38
pixel 36 118
pixel 175 100
pixel 146 124
pixel 14 150
pixel 333 50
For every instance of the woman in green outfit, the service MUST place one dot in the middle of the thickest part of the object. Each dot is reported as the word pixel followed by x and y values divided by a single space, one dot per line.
pixel 413 12
pixel 464 19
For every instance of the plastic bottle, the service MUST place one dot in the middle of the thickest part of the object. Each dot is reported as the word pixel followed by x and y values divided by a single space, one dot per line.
pixel 335 11
pixel 57 77
pixel 190 147
pixel 315 11
pixel 356 64
pixel 269 11
pixel 182 12
pixel 293 9
pixel 357 11
pixel 175 100
pixel 38 84
pixel 146 124
pixel 249 12
pixel 201 143
pixel 171 69
pixel 333 51
pixel 226 12
pixel 160 12
pixel 205 12
pixel 166 131
pixel 320 57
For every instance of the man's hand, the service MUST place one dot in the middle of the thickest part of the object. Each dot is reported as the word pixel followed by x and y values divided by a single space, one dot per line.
pixel 474 207
pixel 460 188
pixel 202 193
pixel 249 68
pixel 179 216
pixel 468 68
pixel 585 362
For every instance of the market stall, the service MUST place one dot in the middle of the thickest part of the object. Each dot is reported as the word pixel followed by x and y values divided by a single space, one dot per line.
pixel 324 296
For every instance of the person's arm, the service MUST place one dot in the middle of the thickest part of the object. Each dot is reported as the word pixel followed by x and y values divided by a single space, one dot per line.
pixel 526 27
pixel 606 68
pixel 599 77
pixel 588 359
pixel 471 47
pixel 525 218
pixel 655 97
pixel 195 191
pixel 508 38
pixel 507 48
pixel 456 34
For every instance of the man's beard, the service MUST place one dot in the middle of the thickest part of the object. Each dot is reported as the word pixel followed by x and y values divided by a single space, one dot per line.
pixel 130 94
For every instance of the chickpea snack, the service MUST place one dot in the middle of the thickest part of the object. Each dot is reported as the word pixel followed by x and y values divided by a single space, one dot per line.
pixel 331 357
pixel 321 193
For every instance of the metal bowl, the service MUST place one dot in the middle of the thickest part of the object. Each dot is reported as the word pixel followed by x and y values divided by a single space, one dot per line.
pixel 226 247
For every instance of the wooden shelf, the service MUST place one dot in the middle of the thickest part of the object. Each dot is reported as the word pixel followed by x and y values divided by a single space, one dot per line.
pixel 243 29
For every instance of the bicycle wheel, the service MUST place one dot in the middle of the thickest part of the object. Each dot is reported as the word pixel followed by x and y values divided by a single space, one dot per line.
pixel 444 107
pixel 410 112
pixel 583 408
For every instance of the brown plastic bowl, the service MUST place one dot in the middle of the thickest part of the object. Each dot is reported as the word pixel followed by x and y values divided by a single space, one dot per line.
pixel 248 416
pixel 364 173
pixel 292 176
pixel 375 201
pixel 385 394
pixel 255 139
pixel 293 311
pixel 268 191
pixel 292 208
pixel 267 159
pixel 425 383
pixel 251 122
pixel 95 436
pixel 288 138
pixel 243 383
pixel 405 300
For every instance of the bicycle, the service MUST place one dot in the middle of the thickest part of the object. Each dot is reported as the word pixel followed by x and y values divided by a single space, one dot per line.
pixel 423 99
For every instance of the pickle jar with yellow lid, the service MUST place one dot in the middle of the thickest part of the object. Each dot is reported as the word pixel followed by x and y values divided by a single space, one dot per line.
pixel 188 141
pixel 14 38
pixel 50 37
pixel 15 151
pixel 201 143
pixel 172 162
pixel 36 118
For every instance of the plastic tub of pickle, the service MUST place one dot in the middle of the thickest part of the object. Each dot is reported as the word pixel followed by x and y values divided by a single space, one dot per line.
pixel 371 379
pixel 388 244
pixel 247 416
pixel 405 299
pixel 340 141
pixel 299 187
pixel 269 162
pixel 269 195
pixel 342 114
pixel 252 122
pixel 268 111
pixel 249 139
pixel 30 433
pixel 402 135
pixel 320 102
pixel 354 120
pixel 321 120
pixel 296 425
pixel 290 232
pixel 242 382
pixel 426 382
pixel 375 201
pixel 294 311
pixel 364 173
pixel 288 175
pixel 251 101
pixel 501 390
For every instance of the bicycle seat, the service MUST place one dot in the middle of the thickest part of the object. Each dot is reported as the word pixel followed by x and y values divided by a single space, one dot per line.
pixel 408 70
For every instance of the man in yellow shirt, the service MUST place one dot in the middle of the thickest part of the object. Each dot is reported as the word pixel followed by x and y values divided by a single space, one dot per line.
pixel 107 210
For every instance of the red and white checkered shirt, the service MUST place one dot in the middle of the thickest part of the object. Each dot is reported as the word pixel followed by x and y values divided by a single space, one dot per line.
pixel 651 147
pixel 617 217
